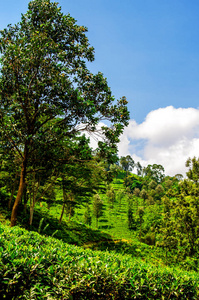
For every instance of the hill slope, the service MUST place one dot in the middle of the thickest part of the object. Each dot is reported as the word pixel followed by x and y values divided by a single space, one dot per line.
pixel 37 267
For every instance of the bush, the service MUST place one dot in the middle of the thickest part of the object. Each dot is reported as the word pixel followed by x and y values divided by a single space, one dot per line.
pixel 37 267
pixel 148 239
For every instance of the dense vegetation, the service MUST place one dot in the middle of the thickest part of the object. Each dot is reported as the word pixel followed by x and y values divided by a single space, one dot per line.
pixel 49 97
pixel 36 267
pixel 89 225
pixel 137 250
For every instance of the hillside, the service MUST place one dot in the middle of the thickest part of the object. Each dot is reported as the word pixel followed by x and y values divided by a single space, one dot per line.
pixel 52 261
pixel 76 220
pixel 38 267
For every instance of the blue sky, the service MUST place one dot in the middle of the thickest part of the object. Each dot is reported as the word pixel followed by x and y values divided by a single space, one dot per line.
pixel 149 52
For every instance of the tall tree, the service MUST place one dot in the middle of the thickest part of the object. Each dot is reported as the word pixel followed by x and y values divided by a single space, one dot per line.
pixel 193 172
pixel 155 172
pixel 140 213
pixel 80 179
pixel 131 219
pixel 110 193
pixel 45 84
pixel 139 168
pixel 127 163
pixel 87 215
pixel 180 222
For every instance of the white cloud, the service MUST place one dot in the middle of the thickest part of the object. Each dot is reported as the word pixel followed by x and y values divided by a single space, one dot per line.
pixel 168 136
pixel 96 136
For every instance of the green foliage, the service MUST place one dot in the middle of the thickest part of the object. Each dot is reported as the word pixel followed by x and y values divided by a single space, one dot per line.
pixel 159 192
pixel 40 225
pixel 148 239
pixel 97 207
pixel 152 184
pixel 127 163
pixel 136 192
pixel 87 215
pixel 140 213
pixel 120 194
pixel 133 181
pixel 131 219
pixel 193 172
pixel 48 95
pixel 155 172
pixel 121 174
pixel 144 195
pixel 110 193
pixel 38 267
pixel 181 225
pixel 139 168
pixel 179 231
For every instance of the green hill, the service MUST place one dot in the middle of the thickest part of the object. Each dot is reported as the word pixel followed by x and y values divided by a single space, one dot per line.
pixel 53 261
pixel 37 267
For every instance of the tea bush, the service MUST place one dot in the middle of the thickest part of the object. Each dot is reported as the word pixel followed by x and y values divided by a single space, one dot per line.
pixel 37 267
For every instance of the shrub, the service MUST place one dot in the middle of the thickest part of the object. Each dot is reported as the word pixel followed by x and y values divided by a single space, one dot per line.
pixel 37 267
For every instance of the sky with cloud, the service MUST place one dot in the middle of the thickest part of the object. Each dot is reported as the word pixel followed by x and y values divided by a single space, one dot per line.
pixel 149 52
pixel 167 136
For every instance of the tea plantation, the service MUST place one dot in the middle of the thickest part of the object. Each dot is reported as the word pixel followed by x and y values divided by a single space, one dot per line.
pixel 38 267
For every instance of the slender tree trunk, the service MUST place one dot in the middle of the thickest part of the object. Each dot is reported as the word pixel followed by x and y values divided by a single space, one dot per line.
pixel 13 220
pixel 19 197
pixel 62 213
pixel 31 213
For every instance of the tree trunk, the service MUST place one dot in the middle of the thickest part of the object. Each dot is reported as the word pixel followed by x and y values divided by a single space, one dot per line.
pixel 62 213
pixel 31 213
pixel 13 220
pixel 18 198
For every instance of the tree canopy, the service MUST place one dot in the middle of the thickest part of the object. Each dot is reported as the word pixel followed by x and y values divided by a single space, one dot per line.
pixel 47 93
pixel 127 163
